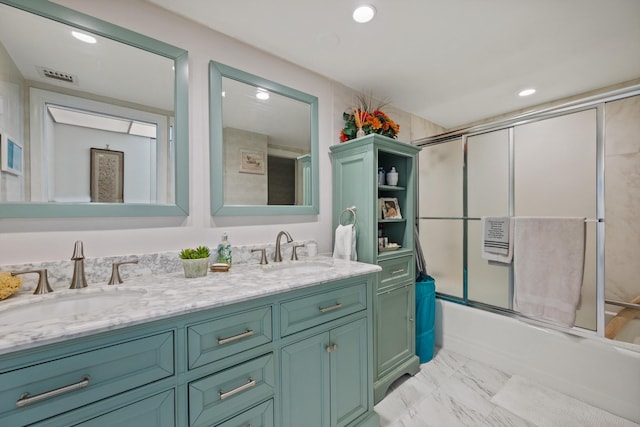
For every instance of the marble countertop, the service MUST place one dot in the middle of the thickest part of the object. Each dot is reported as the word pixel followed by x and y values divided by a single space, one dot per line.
pixel 153 297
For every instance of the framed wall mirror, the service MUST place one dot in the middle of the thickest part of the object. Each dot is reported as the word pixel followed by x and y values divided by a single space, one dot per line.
pixel 263 146
pixel 76 86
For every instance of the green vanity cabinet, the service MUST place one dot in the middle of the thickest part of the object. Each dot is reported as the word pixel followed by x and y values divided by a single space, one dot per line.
pixel 325 379
pixel 396 307
pixel 282 359
pixel 355 183
pixel 91 371
pixel 326 358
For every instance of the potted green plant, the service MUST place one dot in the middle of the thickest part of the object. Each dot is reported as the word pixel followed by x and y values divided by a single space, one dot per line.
pixel 195 262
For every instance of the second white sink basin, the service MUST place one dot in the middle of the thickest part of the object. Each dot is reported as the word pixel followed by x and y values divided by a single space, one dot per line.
pixel 68 305
pixel 300 267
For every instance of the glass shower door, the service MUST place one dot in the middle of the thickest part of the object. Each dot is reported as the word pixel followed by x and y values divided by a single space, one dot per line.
pixel 487 194
pixel 439 210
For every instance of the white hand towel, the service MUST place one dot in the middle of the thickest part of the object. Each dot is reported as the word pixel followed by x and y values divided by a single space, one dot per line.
pixel 345 242
pixel 497 239
pixel 548 267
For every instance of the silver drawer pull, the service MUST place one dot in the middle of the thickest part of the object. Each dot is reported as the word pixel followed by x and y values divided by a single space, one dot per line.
pixel 330 308
pixel 27 399
pixel 246 333
pixel 401 270
pixel 243 387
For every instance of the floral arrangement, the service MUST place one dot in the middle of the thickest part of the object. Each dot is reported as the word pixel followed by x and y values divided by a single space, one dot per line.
pixel 363 120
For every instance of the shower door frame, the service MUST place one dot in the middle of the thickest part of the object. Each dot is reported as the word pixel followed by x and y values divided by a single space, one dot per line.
pixel 596 103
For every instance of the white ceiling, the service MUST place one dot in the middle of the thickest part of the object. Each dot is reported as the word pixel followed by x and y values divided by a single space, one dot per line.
pixel 449 61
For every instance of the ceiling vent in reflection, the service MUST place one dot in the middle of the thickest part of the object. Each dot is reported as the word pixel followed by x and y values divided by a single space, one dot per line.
pixel 57 75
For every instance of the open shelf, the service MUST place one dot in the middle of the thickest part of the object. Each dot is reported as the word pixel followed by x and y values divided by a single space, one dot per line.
pixel 382 187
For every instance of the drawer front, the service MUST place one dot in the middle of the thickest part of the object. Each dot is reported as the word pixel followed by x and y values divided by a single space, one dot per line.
pixel 42 390
pixel 231 391
pixel 216 339
pixel 396 270
pixel 304 313
pixel 154 411
pixel 260 416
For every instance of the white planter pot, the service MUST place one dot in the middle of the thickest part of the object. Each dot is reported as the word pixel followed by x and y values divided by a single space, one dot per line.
pixel 195 267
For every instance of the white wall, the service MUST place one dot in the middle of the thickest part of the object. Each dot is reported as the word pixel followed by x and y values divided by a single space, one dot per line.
pixel 244 188
pixel 51 239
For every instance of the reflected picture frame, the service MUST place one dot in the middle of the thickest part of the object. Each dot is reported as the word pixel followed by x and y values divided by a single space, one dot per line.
pixel 107 176
pixel 252 161
pixel 11 154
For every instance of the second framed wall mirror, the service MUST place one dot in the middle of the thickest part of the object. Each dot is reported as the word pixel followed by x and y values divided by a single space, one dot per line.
pixel 263 145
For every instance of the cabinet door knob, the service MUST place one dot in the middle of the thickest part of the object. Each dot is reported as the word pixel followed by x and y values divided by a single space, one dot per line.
pixel 331 348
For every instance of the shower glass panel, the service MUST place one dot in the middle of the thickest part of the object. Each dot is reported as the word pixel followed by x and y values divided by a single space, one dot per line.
pixel 441 242
pixel 487 195
pixel 439 210
pixel 555 175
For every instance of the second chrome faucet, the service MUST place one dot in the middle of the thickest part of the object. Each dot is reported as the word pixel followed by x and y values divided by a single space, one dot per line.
pixel 277 257
pixel 79 279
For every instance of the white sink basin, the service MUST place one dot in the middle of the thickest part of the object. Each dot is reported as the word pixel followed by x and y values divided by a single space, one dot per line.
pixel 52 306
pixel 299 267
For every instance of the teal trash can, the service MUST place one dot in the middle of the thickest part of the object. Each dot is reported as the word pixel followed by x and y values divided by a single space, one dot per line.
pixel 425 317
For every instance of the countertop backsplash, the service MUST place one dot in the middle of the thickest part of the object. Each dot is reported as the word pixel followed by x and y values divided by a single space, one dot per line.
pixel 98 270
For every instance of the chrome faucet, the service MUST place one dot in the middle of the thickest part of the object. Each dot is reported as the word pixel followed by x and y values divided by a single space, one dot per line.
pixel 115 278
pixel 43 282
pixel 78 280
pixel 277 257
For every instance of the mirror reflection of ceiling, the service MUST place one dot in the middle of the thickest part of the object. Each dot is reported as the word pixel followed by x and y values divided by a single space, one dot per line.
pixel 49 45
pixel 281 118
pixel 449 61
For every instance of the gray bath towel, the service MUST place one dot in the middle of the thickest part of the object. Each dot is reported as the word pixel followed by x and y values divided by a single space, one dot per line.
pixel 548 267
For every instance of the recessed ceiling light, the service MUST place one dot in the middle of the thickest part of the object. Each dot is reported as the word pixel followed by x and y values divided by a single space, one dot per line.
pixel 84 37
pixel 364 13
pixel 262 94
pixel 526 92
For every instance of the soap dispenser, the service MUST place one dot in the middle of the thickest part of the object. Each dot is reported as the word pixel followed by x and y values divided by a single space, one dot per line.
pixel 224 250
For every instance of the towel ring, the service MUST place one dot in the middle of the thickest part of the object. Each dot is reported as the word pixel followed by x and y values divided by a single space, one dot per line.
pixel 352 211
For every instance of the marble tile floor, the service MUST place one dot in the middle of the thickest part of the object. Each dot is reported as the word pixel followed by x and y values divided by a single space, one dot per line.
pixel 449 391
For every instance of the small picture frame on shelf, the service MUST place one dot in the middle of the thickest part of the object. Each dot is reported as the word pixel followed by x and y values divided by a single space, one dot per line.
pixel 390 208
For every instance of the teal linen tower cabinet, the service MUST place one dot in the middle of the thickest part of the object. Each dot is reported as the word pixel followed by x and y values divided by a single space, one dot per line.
pixel 355 184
